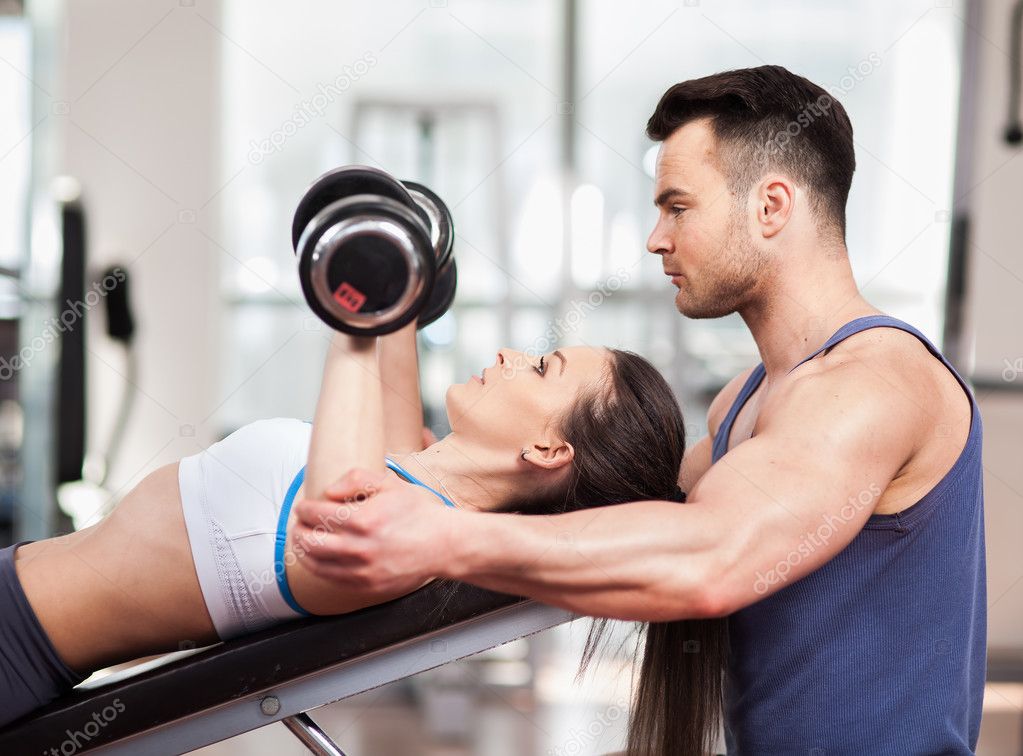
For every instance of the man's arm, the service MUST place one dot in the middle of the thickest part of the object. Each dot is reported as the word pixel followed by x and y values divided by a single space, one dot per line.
pixel 804 485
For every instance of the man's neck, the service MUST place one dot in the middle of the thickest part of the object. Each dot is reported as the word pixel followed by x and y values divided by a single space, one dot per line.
pixel 796 315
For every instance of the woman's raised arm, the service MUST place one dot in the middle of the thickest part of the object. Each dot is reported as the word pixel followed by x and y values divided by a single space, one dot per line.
pixel 348 427
pixel 399 377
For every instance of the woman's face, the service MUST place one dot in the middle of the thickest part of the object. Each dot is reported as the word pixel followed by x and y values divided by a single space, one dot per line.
pixel 514 403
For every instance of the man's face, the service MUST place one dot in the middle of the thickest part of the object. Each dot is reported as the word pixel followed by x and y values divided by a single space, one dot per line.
pixel 703 230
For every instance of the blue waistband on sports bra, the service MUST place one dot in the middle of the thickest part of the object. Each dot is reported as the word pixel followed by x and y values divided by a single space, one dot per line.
pixel 282 528
pixel 279 540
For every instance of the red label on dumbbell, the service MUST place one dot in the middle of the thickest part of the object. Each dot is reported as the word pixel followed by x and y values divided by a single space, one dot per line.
pixel 349 297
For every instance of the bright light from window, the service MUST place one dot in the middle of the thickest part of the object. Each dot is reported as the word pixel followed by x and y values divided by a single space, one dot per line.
pixel 587 235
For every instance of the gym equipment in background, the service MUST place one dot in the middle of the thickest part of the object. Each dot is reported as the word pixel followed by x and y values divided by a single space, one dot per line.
pixel 1014 129
pixel 87 499
pixel 69 410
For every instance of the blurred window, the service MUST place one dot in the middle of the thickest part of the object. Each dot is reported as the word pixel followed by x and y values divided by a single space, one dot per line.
pixel 469 99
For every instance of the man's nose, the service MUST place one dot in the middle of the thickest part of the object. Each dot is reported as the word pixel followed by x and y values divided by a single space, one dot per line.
pixel 658 242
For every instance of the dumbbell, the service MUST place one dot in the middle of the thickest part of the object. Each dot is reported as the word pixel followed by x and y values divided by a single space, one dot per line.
pixel 374 253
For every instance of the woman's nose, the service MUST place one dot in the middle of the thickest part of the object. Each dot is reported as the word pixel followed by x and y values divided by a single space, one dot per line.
pixel 507 361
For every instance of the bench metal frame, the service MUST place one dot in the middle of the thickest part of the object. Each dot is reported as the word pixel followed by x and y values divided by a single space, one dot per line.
pixel 193 699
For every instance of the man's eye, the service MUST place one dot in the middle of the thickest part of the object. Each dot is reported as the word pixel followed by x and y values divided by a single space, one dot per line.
pixel 677 211
pixel 540 369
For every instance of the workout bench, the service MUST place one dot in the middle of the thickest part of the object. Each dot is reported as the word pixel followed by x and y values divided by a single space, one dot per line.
pixel 194 698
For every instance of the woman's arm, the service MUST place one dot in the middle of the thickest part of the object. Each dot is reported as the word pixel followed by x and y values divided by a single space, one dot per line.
pixel 348 427
pixel 348 431
pixel 399 378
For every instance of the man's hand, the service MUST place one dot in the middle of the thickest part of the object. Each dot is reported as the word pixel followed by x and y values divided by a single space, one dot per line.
pixel 377 536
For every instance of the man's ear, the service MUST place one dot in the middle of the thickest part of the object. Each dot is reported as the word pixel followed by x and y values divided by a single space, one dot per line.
pixel 776 198
pixel 551 455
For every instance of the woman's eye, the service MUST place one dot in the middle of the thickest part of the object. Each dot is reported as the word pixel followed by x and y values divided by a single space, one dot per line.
pixel 541 367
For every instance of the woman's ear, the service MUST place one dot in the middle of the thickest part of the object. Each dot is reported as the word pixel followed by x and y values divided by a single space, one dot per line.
pixel 550 456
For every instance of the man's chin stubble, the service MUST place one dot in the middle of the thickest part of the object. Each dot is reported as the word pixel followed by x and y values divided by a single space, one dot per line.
pixel 694 311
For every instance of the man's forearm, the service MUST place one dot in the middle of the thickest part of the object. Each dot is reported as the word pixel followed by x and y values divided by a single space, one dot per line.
pixel 648 561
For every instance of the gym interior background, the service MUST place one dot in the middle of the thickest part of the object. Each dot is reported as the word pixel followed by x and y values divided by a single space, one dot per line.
pixel 172 139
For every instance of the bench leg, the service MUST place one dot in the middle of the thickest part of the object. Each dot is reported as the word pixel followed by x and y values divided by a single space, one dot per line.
pixel 316 740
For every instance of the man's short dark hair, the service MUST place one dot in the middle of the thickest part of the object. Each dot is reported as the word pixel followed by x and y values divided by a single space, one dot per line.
pixel 768 118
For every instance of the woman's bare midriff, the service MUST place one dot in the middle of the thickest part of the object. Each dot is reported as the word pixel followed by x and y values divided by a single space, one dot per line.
pixel 121 589
pixel 127 587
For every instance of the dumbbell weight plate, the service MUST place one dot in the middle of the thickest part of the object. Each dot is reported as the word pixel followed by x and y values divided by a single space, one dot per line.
pixel 344 182
pixel 442 227
pixel 362 264
pixel 441 297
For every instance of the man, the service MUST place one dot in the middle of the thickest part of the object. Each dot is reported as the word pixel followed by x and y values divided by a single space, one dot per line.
pixel 835 511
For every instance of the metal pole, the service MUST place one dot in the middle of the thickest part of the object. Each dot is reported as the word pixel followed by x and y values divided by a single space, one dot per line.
pixel 316 740
pixel 955 342
pixel 566 111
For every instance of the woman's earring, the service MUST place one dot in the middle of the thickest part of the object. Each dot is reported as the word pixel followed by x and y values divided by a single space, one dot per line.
pixel 524 453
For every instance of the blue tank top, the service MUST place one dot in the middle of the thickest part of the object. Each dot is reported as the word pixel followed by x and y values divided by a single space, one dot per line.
pixel 881 650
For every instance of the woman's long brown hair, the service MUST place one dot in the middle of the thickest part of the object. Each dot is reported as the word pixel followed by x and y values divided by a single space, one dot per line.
pixel 629 439
pixel 630 447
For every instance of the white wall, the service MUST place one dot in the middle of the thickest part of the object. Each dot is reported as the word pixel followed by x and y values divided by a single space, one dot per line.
pixel 141 87
pixel 994 314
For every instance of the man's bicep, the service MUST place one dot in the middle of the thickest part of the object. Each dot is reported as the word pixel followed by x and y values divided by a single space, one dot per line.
pixel 798 492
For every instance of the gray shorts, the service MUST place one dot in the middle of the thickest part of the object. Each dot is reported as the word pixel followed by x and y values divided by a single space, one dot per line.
pixel 31 672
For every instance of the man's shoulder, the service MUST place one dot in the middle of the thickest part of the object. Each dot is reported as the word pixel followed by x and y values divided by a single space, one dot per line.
pixel 874 359
pixel 725 399
pixel 884 374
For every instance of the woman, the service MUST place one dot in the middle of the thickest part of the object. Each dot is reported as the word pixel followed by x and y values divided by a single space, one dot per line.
pixel 202 550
